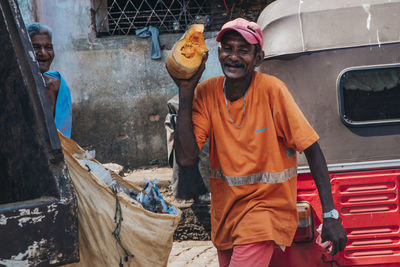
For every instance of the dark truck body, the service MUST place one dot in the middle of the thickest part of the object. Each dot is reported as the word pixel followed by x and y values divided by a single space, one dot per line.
pixel 38 208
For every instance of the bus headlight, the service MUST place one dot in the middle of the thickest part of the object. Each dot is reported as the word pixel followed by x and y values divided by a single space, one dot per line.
pixel 305 228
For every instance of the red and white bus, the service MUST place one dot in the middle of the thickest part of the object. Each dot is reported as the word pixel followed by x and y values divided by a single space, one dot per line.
pixel 341 61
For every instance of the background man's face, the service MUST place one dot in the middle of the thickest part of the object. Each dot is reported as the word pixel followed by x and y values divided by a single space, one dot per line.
pixel 237 57
pixel 44 52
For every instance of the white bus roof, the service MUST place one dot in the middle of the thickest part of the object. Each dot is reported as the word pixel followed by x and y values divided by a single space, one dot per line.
pixel 295 26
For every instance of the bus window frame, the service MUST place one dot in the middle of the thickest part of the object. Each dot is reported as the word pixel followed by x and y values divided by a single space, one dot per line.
pixel 340 98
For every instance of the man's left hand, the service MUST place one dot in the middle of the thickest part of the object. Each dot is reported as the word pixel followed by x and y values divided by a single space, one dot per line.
pixel 332 230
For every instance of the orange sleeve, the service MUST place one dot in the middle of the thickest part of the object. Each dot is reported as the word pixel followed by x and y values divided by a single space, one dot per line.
pixel 200 115
pixel 290 123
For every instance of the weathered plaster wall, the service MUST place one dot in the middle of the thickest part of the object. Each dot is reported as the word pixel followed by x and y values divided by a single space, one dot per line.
pixel 119 94
pixel 27 11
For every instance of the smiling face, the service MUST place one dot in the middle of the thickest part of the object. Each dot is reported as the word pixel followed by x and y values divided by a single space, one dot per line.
pixel 44 52
pixel 238 58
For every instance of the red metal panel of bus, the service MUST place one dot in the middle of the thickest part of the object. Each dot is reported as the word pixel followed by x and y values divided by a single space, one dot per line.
pixel 308 253
pixel 368 203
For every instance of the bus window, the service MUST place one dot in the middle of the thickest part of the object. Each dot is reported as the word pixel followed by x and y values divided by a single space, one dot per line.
pixel 370 95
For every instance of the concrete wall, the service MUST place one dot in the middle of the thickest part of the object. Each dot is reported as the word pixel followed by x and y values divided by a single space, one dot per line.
pixel 119 94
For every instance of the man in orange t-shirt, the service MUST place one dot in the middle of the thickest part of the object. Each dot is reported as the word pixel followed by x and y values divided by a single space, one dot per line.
pixel 254 128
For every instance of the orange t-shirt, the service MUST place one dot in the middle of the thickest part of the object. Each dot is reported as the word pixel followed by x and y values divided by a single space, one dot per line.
pixel 253 170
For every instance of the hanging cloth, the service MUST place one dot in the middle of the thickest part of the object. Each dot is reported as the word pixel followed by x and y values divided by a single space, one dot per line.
pixel 155 52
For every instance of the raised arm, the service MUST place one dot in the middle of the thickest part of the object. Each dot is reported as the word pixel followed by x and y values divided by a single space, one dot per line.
pixel 332 228
pixel 186 149
pixel 52 87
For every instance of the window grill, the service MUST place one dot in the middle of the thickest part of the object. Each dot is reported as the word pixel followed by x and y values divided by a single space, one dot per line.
pixel 125 16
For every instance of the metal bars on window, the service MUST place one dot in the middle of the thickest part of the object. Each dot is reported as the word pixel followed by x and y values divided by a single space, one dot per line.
pixel 125 16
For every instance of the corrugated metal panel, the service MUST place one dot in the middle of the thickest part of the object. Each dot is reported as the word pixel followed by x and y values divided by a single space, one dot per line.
pixel 369 206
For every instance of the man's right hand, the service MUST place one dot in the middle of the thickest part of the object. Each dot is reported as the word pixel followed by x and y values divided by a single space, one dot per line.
pixel 186 150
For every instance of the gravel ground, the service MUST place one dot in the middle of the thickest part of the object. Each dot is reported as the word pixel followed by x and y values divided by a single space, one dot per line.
pixel 193 253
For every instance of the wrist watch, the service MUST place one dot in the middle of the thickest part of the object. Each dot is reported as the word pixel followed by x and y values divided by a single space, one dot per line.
pixel 334 214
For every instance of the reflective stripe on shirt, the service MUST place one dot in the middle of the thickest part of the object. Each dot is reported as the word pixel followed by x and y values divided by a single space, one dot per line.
pixel 263 177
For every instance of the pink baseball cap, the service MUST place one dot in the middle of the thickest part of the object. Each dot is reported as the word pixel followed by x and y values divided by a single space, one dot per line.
pixel 250 31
